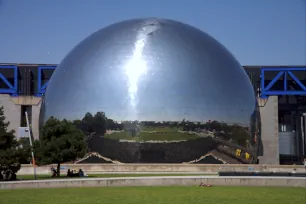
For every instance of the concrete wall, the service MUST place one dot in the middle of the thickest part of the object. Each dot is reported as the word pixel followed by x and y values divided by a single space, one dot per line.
pixel 12 111
pixel 35 120
pixel 157 181
pixel 269 131
pixel 170 168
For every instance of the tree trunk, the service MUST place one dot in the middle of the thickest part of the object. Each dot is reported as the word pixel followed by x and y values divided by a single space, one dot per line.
pixel 58 170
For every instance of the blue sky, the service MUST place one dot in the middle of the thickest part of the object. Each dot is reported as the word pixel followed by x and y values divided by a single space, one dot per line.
pixel 261 32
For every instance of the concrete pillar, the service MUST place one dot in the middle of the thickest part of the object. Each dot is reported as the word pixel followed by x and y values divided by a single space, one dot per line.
pixel 304 134
pixel 35 103
pixel 12 112
pixel 269 131
pixel 35 120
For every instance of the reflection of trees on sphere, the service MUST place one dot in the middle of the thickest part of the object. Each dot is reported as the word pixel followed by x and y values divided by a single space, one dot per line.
pixel 99 123
pixel 103 132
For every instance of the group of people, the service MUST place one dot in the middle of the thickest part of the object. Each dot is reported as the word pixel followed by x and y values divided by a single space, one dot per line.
pixel 70 173
pixel 74 173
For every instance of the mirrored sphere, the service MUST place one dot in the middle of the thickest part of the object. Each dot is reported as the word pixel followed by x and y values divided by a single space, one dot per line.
pixel 156 90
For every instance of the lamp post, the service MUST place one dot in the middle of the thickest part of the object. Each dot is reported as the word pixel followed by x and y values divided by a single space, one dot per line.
pixel 31 144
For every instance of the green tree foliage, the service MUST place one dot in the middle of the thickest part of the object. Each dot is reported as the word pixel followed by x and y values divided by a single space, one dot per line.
pixel 97 124
pixel 100 124
pixel 60 141
pixel 11 152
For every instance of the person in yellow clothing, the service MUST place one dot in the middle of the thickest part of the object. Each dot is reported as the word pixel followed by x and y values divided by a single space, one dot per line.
pixel 238 152
pixel 247 156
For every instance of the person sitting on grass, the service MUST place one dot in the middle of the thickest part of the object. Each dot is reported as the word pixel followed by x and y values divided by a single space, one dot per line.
pixel 204 185
pixel 75 173
pixel 81 173
pixel 69 173
pixel 72 173
pixel 53 171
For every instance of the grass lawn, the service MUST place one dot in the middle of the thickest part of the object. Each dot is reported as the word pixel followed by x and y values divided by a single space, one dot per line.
pixel 160 195
pixel 146 136
pixel 160 134
pixel 39 177
pixel 159 129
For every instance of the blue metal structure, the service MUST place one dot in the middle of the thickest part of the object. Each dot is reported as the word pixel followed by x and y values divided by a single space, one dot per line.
pixel 12 88
pixel 266 90
pixel 41 88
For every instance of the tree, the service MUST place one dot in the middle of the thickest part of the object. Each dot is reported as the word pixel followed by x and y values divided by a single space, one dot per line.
pixel 60 141
pixel 100 125
pixel 240 136
pixel 87 123
pixel 11 153
pixel 97 124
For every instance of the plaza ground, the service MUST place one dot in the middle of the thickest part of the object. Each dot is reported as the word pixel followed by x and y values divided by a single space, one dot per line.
pixel 160 195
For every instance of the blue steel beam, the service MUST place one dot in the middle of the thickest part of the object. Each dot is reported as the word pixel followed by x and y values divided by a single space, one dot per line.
pixel 11 89
pixel 41 88
pixel 266 89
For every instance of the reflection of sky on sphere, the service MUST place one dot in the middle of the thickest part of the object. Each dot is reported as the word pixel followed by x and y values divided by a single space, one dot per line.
pixel 141 71
pixel 199 114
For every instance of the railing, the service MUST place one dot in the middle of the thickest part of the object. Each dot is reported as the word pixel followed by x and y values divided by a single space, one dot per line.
pixel 11 88
pixel 266 89
pixel 10 85
pixel 41 87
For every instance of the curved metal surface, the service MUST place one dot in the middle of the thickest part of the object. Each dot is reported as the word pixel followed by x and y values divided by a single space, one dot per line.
pixel 154 70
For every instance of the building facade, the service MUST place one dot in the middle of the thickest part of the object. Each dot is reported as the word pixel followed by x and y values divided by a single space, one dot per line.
pixel 281 95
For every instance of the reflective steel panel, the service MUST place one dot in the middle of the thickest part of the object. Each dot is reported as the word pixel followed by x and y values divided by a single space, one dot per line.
pixel 156 90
